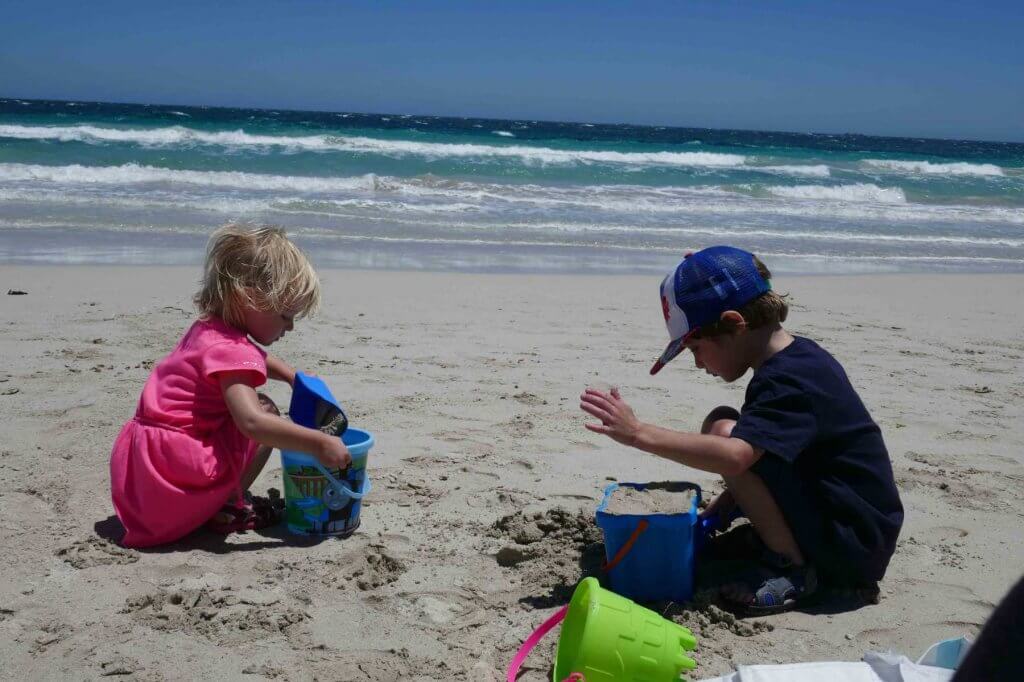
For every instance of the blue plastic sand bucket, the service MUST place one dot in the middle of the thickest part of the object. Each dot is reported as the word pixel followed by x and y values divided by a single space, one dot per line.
pixel 323 502
pixel 650 557
pixel 318 501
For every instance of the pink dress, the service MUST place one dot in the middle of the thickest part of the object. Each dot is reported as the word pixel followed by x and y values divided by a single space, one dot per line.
pixel 181 458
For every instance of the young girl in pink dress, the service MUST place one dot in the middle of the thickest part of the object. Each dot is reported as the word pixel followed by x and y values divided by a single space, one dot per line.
pixel 201 434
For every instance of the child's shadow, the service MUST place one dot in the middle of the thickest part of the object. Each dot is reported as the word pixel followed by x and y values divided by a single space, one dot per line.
pixel 712 574
pixel 276 536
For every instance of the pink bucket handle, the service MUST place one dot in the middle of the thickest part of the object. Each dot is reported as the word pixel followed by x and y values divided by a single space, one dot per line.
pixel 532 641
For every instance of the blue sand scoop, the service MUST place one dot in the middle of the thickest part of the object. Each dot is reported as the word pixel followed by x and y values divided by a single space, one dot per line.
pixel 313 404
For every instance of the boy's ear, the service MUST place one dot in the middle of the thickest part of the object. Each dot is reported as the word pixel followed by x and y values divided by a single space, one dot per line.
pixel 733 320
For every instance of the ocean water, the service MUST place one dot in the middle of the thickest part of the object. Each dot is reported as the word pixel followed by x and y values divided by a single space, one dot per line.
pixel 115 183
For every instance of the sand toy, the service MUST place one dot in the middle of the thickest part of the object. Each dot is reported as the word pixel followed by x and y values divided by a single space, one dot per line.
pixel 606 637
pixel 651 536
pixel 319 501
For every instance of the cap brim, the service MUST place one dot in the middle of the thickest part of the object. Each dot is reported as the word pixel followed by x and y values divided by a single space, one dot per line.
pixel 671 351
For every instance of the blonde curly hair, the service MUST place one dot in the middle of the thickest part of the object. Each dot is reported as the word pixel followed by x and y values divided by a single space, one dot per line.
pixel 256 266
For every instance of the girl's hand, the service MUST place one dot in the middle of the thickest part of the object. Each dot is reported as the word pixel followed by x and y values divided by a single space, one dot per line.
pixel 333 454
pixel 617 419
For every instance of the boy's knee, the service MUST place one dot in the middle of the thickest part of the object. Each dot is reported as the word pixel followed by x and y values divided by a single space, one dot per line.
pixel 720 421
pixel 268 405
pixel 739 479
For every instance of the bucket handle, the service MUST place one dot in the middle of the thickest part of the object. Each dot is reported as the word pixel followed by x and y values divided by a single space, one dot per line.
pixel 624 550
pixel 339 486
pixel 532 641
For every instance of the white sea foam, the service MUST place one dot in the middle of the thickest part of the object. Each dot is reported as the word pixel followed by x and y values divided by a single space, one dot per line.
pixel 860 192
pixel 718 232
pixel 182 136
pixel 929 168
pixel 817 171
pixel 134 174
pixel 508 202
pixel 794 235
pixel 503 133
pixel 227 205
pixel 331 206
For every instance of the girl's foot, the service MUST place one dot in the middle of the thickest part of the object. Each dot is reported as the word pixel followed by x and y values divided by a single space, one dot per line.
pixel 253 513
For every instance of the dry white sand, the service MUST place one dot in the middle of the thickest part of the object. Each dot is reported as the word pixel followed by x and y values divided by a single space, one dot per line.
pixel 471 384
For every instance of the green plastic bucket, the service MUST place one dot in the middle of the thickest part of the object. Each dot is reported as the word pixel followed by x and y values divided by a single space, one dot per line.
pixel 606 637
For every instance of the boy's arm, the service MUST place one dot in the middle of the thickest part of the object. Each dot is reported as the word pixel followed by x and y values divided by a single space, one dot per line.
pixel 280 370
pixel 717 454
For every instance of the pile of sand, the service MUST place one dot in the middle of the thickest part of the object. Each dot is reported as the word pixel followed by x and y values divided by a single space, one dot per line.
pixel 550 551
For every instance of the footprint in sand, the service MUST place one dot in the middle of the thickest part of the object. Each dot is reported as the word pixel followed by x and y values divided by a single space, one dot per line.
pixel 50 634
pixel 377 666
pixel 95 551
pixel 500 497
pixel 434 608
pixel 519 426
pixel 119 665
pixel 531 399
pixel 222 616
pixel 265 670
pixel 374 568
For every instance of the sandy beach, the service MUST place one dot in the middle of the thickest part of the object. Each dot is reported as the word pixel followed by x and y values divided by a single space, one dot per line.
pixel 485 481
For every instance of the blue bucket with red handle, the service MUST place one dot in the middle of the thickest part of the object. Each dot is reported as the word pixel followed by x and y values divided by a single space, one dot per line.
pixel 651 557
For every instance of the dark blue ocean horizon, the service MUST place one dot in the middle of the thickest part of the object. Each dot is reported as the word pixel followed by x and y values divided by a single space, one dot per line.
pixel 953 148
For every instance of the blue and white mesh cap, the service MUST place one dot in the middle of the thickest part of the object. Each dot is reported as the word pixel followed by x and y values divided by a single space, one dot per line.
pixel 703 286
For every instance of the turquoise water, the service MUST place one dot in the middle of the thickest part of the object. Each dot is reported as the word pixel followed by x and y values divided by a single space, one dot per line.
pixel 109 183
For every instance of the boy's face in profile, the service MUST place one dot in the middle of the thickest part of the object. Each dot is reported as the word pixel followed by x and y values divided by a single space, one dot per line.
pixel 719 356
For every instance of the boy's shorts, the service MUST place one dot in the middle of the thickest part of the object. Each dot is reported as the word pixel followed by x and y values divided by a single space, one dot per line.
pixel 800 508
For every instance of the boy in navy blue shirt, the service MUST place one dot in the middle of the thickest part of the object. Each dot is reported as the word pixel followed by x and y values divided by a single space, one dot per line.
pixel 802 459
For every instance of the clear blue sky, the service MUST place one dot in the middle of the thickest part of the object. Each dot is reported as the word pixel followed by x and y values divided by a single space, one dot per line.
pixel 937 68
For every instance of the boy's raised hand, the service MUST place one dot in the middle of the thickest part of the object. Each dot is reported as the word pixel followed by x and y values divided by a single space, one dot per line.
pixel 617 419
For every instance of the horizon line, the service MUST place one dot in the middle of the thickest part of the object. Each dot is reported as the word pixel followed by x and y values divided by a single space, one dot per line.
pixel 532 120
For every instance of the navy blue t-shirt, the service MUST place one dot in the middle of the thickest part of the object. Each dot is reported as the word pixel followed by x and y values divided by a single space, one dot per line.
pixel 825 462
